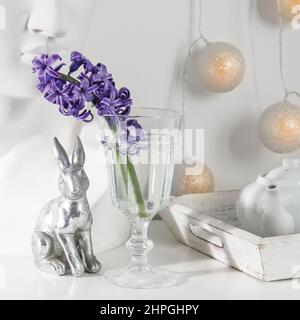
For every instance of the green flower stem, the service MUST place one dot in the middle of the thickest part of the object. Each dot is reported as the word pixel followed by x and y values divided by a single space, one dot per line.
pixel 136 188
pixel 68 78
pixel 128 170
pixel 124 172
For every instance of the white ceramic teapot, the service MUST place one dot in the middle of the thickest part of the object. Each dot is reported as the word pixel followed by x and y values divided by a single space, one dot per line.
pixel 270 206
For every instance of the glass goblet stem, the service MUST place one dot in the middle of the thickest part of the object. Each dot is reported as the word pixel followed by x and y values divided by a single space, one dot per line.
pixel 139 245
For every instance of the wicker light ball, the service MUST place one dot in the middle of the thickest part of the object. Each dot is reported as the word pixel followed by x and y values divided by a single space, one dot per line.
pixel 286 8
pixel 279 127
pixel 221 67
pixel 192 179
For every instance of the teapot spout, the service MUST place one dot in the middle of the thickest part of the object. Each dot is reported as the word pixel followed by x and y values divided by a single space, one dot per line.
pixel 276 220
pixel 273 198
pixel 273 188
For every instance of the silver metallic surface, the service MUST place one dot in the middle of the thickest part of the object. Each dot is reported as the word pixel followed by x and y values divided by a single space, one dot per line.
pixel 62 242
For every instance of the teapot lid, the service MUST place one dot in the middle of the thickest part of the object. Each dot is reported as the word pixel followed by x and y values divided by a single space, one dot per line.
pixel 290 170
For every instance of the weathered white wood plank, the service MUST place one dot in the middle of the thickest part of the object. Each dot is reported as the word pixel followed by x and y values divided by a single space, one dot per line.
pixel 280 255
pixel 208 223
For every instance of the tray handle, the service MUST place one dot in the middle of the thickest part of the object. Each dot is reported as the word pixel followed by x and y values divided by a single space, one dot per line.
pixel 203 233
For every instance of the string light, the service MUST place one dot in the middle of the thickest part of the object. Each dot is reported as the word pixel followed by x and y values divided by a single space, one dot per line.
pixel 279 125
pixel 286 9
pixel 192 179
pixel 221 67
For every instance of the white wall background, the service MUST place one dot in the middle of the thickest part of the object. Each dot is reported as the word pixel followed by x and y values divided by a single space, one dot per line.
pixel 144 44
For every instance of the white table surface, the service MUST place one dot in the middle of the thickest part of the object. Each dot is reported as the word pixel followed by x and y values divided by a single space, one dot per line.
pixel 203 277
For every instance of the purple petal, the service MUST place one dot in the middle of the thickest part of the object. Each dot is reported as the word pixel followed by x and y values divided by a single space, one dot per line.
pixel 60 100
pixel 75 55
pixel 84 83
pixel 52 59
pixel 88 97
pixel 52 97
pixel 59 67
pixel 92 88
pixel 64 111
pixel 124 93
pixel 52 73
pixel 68 89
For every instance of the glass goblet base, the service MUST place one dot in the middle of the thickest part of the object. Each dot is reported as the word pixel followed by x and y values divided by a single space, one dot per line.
pixel 141 277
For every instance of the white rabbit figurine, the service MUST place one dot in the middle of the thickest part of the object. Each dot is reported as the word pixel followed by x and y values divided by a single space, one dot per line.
pixel 62 242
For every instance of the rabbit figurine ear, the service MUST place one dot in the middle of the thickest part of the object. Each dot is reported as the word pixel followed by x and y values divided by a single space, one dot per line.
pixel 78 156
pixel 61 155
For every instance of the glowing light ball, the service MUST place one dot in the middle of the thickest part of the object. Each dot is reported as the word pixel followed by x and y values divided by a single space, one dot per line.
pixel 192 179
pixel 279 127
pixel 221 67
pixel 286 8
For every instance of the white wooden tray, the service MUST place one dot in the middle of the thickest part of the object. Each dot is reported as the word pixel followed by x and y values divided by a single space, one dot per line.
pixel 208 223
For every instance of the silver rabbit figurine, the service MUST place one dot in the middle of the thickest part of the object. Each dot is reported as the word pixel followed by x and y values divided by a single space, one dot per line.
pixel 62 241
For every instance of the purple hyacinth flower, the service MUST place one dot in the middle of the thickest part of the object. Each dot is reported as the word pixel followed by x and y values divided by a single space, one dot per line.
pixel 94 85
pixel 125 102
pixel 105 90
pixel 84 91
pixel 131 137
pixel 124 94
pixel 106 104
pixel 102 90
pixel 59 92
pixel 75 109
pixel 85 116
pixel 44 82
pixel 105 108
pixel 79 60
pixel 123 109
pixel 119 106
pixel 71 108
pixel 43 85
pixel 99 73
pixel 43 66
